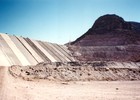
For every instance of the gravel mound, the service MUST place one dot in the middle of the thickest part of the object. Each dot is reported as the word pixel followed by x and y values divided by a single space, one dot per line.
pixel 97 71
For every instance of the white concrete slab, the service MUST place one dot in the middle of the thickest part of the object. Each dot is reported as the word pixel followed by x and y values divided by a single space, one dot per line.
pixel 11 57
pixel 37 50
pixel 31 50
pixel 3 59
pixel 52 59
pixel 63 57
pixel 61 50
pixel 23 50
pixel 50 51
pixel 17 52
pixel 65 48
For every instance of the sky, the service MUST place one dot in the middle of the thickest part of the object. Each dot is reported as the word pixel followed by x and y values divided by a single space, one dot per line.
pixel 60 21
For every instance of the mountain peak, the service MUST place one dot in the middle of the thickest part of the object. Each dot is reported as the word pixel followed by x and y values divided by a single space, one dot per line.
pixel 111 22
pixel 111 38
pixel 110 29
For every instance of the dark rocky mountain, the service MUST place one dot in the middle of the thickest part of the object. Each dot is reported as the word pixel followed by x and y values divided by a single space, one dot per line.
pixel 136 26
pixel 110 30
pixel 111 38
pixel 111 22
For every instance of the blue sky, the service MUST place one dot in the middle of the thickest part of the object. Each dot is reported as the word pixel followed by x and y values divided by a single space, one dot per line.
pixel 60 21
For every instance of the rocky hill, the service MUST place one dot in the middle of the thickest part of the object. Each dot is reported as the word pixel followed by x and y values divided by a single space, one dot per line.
pixel 110 38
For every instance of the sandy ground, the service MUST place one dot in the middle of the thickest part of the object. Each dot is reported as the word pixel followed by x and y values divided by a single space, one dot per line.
pixel 77 73
pixel 17 89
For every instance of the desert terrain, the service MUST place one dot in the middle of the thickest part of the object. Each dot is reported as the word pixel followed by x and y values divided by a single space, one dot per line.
pixel 102 64
pixel 16 88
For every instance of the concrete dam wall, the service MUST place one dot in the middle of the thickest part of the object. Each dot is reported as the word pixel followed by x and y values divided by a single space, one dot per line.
pixel 24 51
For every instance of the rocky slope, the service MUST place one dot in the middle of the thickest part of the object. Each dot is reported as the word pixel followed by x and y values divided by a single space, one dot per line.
pixel 110 38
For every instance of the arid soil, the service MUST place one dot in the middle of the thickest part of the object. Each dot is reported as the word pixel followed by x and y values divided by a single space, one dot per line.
pixel 12 88
pixel 97 71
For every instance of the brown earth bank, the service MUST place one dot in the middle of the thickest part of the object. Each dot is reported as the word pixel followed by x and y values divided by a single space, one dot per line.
pixel 14 88
pixel 97 71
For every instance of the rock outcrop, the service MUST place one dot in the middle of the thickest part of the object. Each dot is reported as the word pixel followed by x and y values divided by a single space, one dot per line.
pixel 110 38
pixel 110 30
pixel 111 22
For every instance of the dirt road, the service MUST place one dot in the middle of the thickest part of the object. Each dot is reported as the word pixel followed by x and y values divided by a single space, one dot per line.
pixel 17 89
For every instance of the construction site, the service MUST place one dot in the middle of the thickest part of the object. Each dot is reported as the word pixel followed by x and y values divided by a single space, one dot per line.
pixel 102 64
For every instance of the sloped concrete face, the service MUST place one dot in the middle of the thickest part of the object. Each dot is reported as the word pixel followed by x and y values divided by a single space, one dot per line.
pixel 30 50
pixel 24 51
pixel 3 59
pixel 9 54
pixel 16 50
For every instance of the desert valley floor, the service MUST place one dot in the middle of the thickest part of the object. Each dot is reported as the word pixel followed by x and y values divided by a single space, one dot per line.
pixel 12 88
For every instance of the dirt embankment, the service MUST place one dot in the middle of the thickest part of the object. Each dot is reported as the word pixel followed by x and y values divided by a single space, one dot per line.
pixel 99 71
pixel 19 89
